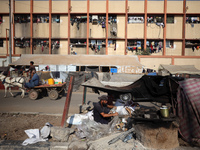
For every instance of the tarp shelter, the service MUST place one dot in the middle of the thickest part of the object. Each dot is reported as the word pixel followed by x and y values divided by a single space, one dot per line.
pixel 124 64
pixel 177 69
pixel 188 100
pixel 147 88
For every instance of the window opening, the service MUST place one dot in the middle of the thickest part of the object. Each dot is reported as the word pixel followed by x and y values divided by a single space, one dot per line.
pixel 41 19
pixel 22 18
pixel 55 19
pixel 155 19
pixel 55 44
pixel 169 44
pixel 194 44
pixel 78 20
pixel 193 19
pixel 98 20
pixel 154 46
pixel 92 68
pixel 1 19
pixel 136 19
pixel 82 68
pixel 77 68
pixel 22 43
pixel 170 19
pixel 105 69
pixel 97 45
pixel 1 43
pixel 41 44
pixel 112 44
pixel 77 43
pixel 135 45
pixel 112 21
pixel 158 20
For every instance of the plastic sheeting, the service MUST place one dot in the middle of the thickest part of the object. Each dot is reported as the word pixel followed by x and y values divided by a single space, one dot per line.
pixel 92 130
pixel 36 135
pixel 77 119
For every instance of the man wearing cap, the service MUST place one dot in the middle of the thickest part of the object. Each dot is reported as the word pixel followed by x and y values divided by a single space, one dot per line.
pixel 102 109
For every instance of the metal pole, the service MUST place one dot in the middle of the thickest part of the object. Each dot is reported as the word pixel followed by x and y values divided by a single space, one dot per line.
pixel 7 41
pixel 10 52
pixel 84 93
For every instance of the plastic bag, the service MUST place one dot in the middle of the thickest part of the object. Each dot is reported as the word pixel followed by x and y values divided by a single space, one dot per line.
pixel 77 119
pixel 92 130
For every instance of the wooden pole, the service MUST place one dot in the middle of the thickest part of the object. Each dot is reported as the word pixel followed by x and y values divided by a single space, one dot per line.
pixel 67 102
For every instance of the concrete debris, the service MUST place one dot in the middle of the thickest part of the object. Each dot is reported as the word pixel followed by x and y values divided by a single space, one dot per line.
pixel 60 134
pixel 102 143
pixel 78 145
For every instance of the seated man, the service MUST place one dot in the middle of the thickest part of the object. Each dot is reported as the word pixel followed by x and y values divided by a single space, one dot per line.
pixel 34 81
pixel 101 111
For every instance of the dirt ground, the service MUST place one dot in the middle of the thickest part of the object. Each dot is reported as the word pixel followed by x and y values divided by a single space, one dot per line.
pixel 12 126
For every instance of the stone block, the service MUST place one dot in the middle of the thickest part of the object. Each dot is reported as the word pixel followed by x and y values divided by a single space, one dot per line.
pixel 78 145
pixel 60 134
pixel 157 135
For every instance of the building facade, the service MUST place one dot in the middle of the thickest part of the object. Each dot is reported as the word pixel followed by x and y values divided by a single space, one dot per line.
pixel 168 30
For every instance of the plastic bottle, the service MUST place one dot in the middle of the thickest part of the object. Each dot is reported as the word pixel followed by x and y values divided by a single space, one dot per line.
pixel 128 137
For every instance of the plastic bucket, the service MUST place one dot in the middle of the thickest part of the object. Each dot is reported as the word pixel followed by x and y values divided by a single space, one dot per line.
pixel 50 81
pixel 164 111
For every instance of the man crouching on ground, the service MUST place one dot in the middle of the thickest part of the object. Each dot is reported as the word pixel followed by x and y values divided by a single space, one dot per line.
pixel 101 110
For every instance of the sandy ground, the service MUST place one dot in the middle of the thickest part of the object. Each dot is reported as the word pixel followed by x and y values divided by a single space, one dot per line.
pixel 12 126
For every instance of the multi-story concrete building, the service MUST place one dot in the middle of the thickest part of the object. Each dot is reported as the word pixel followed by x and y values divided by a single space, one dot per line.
pixel 168 29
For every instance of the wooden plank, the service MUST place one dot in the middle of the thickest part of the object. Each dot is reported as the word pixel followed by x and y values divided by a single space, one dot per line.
pixel 47 85
pixel 67 102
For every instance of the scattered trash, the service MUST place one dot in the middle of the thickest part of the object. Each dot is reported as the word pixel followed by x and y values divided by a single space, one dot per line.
pixel 92 130
pixel 77 119
pixel 36 135
pixel 122 136
pixel 128 137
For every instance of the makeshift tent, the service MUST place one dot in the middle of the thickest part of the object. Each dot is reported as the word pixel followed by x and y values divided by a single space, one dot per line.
pixel 177 69
pixel 188 100
pixel 147 88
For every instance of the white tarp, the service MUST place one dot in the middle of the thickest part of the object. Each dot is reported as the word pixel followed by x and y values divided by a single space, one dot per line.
pixel 177 69
pixel 71 61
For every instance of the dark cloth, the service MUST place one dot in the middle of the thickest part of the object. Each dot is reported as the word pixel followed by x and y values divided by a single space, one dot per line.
pixel 97 113
pixel 188 109
pixel 33 82
pixel 31 68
